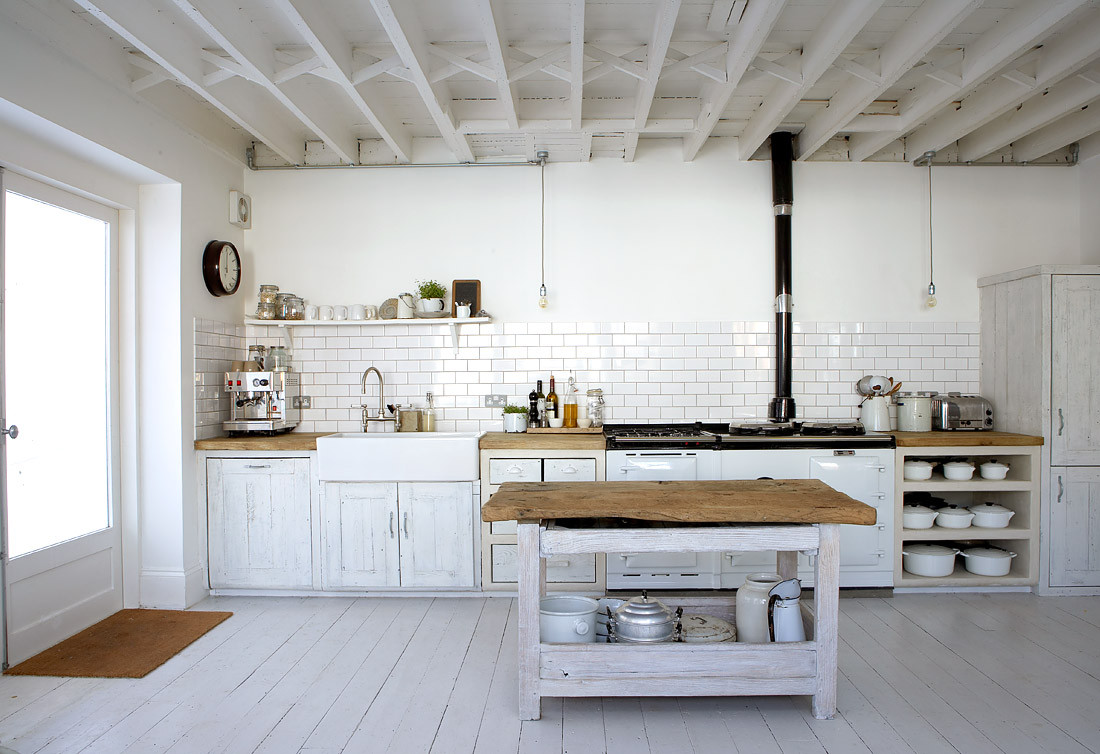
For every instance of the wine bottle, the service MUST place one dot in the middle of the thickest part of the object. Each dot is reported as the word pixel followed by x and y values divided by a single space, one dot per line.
pixel 552 401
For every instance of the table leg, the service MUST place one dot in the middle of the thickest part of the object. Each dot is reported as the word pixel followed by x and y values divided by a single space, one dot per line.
pixel 531 585
pixel 786 563
pixel 826 619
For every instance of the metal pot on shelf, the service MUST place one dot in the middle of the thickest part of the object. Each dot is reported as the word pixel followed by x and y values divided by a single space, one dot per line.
pixel 641 620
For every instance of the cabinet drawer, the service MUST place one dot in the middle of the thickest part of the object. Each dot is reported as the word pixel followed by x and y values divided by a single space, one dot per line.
pixel 515 470
pixel 569 470
pixel 502 527
pixel 578 569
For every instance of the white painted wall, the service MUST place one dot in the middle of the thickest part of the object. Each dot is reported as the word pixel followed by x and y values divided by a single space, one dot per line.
pixel 86 131
pixel 660 239
pixel 1090 209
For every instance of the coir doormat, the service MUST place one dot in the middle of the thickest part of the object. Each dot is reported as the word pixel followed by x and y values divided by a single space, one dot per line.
pixel 129 644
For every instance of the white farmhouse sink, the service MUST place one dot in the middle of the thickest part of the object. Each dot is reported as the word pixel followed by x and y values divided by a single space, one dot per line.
pixel 398 457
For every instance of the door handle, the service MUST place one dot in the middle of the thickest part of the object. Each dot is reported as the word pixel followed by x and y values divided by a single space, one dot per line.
pixel 391 524
pixel 1061 489
pixel 12 431
pixel 1061 422
pixel 405 523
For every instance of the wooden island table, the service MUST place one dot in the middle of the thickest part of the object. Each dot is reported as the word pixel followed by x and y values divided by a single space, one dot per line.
pixel 785 515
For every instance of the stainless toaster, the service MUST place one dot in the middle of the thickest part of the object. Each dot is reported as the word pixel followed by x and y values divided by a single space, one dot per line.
pixel 957 411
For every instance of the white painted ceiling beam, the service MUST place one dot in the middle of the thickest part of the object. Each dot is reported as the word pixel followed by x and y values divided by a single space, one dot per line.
pixel 1014 35
pixel 1078 46
pixel 605 68
pixel 630 145
pixel 148 30
pixel 823 48
pixel 696 62
pixel 376 69
pixel 465 64
pixel 489 14
pixel 532 64
pixel 576 63
pixel 779 70
pixel 298 69
pixel 628 67
pixel 719 16
pixel 745 43
pixel 148 80
pixel 922 31
pixel 1076 127
pixel 667 10
pixel 1041 110
pixel 335 52
pixel 592 125
pixel 235 33
pixel 407 36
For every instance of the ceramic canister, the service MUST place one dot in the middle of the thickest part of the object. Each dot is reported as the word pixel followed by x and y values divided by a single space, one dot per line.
pixel 752 607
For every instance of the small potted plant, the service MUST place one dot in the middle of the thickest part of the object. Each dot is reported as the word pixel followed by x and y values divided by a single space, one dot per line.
pixel 432 294
pixel 515 418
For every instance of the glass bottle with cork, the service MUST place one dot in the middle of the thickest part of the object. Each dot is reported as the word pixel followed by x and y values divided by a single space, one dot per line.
pixel 427 415
pixel 570 404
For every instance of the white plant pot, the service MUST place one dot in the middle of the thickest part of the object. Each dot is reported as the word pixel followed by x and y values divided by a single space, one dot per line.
pixel 515 422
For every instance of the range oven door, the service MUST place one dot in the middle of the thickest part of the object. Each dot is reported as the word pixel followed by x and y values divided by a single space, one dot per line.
pixel 671 466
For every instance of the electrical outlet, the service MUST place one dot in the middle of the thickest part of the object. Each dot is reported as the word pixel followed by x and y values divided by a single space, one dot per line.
pixel 303 401
pixel 496 400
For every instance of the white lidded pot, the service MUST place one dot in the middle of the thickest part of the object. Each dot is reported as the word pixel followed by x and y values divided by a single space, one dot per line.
pixel 953 517
pixel 752 607
pixel 958 471
pixel 916 470
pixel 993 470
pixel 567 618
pixel 934 561
pixel 991 515
pixel 917 517
pixel 988 561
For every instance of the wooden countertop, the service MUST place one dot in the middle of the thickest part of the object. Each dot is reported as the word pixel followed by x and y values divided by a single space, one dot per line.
pixel 756 501
pixel 286 441
pixel 962 437
pixel 540 441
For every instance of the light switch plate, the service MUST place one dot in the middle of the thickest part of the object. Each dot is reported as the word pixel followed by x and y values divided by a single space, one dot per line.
pixel 496 400
pixel 303 401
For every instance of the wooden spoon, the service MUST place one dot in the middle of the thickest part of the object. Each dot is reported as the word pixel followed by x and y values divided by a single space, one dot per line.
pixel 894 389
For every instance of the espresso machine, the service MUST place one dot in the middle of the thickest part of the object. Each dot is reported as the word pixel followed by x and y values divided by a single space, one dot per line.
pixel 261 402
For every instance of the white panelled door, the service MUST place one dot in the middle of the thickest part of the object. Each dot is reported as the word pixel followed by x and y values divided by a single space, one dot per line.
pixel 1075 371
pixel 360 547
pixel 437 534
pixel 1074 537
pixel 62 548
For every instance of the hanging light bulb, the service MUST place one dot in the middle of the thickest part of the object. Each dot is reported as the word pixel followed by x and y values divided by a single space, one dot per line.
pixel 926 159
pixel 541 156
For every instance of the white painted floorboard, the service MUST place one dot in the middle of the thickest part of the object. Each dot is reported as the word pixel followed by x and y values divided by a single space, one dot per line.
pixel 966 673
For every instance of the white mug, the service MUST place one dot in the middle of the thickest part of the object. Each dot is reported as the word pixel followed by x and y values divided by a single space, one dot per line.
pixel 370 312
pixel 311 312
pixel 430 305
pixel 357 311
pixel 325 312
pixel 339 312
pixel 462 311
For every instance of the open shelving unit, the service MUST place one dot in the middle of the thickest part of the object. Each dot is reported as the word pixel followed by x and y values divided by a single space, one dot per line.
pixel 286 324
pixel 1019 491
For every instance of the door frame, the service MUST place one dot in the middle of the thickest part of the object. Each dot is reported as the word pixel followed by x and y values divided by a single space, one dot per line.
pixel 84 544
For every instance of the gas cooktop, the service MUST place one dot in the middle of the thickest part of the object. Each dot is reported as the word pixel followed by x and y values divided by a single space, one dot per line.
pixel 754 434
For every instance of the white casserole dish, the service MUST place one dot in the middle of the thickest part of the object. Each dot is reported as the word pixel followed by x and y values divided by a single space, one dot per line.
pixel 917 517
pixel 928 560
pixel 566 618
pixel 958 471
pixel 917 471
pixel 993 470
pixel 987 561
pixel 991 515
pixel 953 517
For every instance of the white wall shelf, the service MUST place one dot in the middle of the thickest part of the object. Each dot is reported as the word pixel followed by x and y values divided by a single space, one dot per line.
pixel 286 324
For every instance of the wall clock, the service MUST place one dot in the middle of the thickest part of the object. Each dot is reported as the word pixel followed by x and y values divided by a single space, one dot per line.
pixel 221 268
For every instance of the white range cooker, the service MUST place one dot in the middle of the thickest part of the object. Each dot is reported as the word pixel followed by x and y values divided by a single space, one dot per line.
pixel 840 454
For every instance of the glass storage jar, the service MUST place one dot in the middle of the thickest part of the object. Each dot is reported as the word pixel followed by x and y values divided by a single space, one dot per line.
pixel 296 308
pixel 277 359
pixel 595 406
pixel 267 293
pixel 282 305
pixel 265 311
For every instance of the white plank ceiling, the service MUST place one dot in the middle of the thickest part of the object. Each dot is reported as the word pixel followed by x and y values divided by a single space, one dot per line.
pixel 356 81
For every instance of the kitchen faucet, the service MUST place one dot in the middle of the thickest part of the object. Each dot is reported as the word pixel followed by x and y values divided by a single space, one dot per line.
pixel 367 418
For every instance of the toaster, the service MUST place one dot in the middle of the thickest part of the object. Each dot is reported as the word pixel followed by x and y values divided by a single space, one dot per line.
pixel 957 411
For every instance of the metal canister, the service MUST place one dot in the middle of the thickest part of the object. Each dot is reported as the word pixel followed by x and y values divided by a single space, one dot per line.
pixel 915 411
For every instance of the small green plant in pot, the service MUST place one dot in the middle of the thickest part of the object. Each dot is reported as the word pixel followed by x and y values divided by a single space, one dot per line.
pixel 432 295
pixel 515 418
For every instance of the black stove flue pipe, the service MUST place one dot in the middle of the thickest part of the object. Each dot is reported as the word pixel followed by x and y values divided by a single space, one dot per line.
pixel 781 408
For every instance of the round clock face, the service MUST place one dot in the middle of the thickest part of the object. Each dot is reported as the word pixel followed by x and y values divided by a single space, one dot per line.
pixel 221 268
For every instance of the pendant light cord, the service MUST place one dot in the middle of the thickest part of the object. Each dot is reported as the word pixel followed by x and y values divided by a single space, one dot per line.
pixel 931 273
pixel 542 218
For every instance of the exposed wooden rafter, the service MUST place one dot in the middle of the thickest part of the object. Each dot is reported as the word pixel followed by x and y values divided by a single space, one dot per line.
pixel 1016 33
pixel 667 10
pixel 824 47
pixel 923 30
pixel 1075 127
pixel 745 43
pixel 1061 57
pixel 489 13
pixel 407 36
pixel 576 63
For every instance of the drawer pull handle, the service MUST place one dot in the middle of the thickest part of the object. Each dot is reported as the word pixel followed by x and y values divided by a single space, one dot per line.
pixel 515 470
pixel 258 466
pixel 569 470
pixel 1061 422
pixel 1061 489
pixel 557 563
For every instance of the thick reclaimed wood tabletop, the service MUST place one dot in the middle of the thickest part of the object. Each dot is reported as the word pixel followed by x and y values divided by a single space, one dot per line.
pixel 757 501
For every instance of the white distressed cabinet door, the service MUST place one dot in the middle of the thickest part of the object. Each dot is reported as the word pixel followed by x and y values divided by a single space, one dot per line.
pixel 1074 538
pixel 437 533
pixel 360 547
pixel 259 523
pixel 1075 371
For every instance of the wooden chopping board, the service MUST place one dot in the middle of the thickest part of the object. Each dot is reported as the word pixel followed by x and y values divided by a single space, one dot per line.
pixel 757 501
